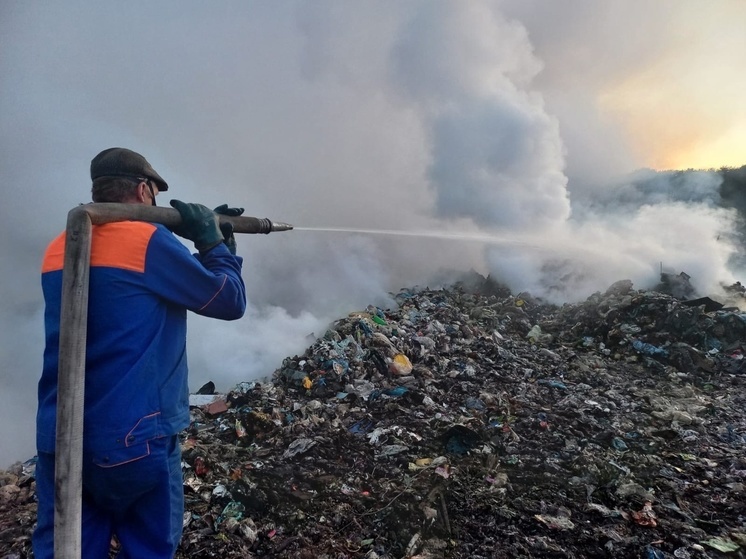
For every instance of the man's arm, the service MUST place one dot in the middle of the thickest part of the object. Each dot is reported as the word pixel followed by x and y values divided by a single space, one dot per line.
pixel 210 285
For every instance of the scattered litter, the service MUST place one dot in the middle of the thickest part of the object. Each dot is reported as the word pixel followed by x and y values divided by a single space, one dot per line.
pixel 462 425
pixel 722 544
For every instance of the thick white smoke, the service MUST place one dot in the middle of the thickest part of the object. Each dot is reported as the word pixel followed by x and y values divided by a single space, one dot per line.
pixel 496 156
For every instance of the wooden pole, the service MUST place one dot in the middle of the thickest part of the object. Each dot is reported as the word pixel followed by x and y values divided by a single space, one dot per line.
pixel 68 481
pixel 68 474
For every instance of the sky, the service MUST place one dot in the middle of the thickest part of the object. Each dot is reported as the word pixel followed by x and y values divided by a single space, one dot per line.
pixel 514 128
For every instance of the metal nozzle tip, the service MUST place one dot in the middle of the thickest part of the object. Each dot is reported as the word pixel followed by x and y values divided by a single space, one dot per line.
pixel 279 226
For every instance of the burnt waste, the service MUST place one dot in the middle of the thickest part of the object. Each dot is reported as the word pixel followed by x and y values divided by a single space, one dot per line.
pixel 470 422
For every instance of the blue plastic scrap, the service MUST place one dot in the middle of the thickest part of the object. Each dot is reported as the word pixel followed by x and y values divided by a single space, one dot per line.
pixel 339 366
pixel 649 349
pixel 653 553
pixel 367 330
pixel 732 436
pixel 553 384
pixel 459 439
pixel 234 509
pixel 474 403
pixel 363 426
pixel 712 343
pixel 377 311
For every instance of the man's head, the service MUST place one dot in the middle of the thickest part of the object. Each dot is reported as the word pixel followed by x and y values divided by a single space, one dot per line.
pixel 122 175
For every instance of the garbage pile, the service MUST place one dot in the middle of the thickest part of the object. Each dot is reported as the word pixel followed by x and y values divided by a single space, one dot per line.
pixel 463 425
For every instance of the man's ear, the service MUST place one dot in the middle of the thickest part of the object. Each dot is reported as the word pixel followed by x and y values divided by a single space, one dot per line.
pixel 141 192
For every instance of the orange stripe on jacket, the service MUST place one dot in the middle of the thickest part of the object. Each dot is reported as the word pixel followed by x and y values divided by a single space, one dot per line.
pixel 123 245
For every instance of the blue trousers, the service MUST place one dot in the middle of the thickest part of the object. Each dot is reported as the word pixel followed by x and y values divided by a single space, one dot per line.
pixel 141 501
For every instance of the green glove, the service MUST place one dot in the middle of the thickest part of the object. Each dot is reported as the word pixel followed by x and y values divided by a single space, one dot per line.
pixel 223 209
pixel 198 224
pixel 227 228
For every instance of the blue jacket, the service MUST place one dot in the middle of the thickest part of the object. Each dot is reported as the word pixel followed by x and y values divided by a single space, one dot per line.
pixel 142 282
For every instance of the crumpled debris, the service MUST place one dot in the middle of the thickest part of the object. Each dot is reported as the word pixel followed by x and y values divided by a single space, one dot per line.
pixel 555 522
pixel 722 544
pixel 645 516
pixel 470 422
pixel 298 446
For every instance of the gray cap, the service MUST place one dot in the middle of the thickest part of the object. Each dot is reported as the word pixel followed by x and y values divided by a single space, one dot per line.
pixel 122 162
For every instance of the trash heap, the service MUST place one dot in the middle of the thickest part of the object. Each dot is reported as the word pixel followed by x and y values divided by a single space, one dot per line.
pixel 464 425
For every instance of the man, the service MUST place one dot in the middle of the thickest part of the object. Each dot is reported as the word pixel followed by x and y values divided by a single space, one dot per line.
pixel 142 282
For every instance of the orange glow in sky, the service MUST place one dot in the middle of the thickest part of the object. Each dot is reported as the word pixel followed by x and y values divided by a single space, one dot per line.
pixel 687 109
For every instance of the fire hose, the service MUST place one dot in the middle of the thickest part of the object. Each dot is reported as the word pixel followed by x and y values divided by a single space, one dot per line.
pixel 73 329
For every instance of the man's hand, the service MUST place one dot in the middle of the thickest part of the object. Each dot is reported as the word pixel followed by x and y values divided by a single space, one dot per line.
pixel 223 209
pixel 198 224
pixel 227 228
